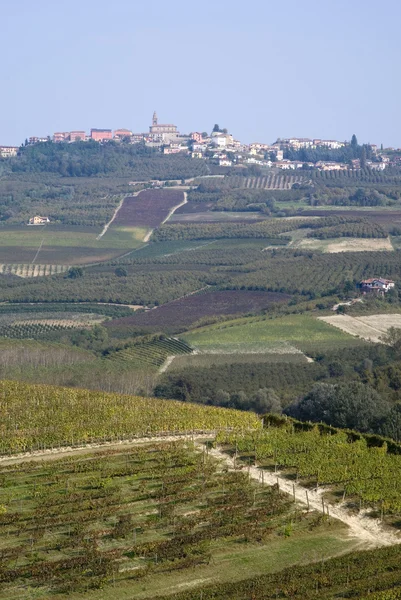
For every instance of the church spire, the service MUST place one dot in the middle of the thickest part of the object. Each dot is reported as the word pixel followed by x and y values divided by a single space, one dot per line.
pixel 154 120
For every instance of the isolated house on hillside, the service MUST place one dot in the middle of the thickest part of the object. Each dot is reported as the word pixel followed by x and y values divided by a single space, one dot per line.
pixel 376 285
pixel 38 220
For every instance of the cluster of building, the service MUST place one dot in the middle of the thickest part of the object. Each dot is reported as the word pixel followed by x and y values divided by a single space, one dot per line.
pixel 219 147
pixel 376 285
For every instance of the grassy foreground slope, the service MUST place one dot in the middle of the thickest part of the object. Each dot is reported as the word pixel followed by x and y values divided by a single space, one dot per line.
pixel 40 416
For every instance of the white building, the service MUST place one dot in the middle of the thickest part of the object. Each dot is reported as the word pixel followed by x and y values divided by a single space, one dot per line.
pixel 8 151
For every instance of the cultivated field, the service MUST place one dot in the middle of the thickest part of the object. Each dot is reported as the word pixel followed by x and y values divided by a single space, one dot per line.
pixel 148 209
pixel 269 182
pixel 263 334
pixel 346 244
pixel 32 270
pixel 17 325
pixel 387 217
pixel 188 310
pixel 370 328
pixel 146 520
pixel 276 354
pixel 214 216
pixel 61 245
pixel 150 355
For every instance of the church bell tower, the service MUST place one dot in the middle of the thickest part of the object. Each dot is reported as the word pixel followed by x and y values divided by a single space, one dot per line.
pixel 154 120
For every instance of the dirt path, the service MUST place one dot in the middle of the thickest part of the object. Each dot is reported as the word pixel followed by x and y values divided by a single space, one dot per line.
pixel 167 363
pixel 105 228
pixel 38 250
pixel 56 453
pixel 172 211
pixel 367 530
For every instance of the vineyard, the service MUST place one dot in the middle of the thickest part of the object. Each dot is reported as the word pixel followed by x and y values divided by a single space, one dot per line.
pixel 141 517
pixel 361 229
pixel 33 330
pixel 363 475
pixel 271 182
pixel 355 177
pixel 152 354
pixel 369 575
pixel 191 309
pixel 32 270
pixel 43 325
pixel 202 231
pixel 286 272
pixel 39 416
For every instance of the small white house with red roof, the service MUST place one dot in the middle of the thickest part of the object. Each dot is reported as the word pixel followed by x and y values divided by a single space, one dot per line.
pixel 378 285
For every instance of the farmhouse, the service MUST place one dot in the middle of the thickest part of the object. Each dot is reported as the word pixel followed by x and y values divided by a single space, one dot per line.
pixel 8 151
pixel 376 285
pixel 38 220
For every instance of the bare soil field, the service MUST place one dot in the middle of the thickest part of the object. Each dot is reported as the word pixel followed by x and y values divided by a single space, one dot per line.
pixel 370 328
pixel 148 209
pixel 347 244
pixel 188 310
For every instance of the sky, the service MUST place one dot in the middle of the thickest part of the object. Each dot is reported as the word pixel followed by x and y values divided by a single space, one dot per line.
pixel 262 69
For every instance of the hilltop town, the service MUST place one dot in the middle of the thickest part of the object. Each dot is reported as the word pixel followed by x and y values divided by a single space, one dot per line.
pixel 222 149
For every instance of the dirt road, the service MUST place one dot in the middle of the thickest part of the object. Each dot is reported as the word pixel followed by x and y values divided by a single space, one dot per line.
pixel 105 228
pixel 368 531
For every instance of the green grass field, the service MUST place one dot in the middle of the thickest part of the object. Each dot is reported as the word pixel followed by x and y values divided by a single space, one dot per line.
pixel 52 244
pixel 124 237
pixel 256 334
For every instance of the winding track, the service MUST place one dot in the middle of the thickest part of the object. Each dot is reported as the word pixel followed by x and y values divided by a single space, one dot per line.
pixel 368 531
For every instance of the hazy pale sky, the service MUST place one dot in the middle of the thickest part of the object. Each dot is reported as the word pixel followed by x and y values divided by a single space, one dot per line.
pixel 263 69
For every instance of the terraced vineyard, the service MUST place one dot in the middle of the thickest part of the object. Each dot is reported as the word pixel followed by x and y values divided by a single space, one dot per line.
pixel 32 270
pixel 152 354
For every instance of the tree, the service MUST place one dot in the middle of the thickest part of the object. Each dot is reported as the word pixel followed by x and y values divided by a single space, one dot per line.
pixel 205 134
pixel 121 272
pixel 75 272
pixel 347 405
pixel 266 400
pixel 354 142
pixel 392 338
pixel 222 398
pixel 216 128
pixel 363 157
pixel 390 425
